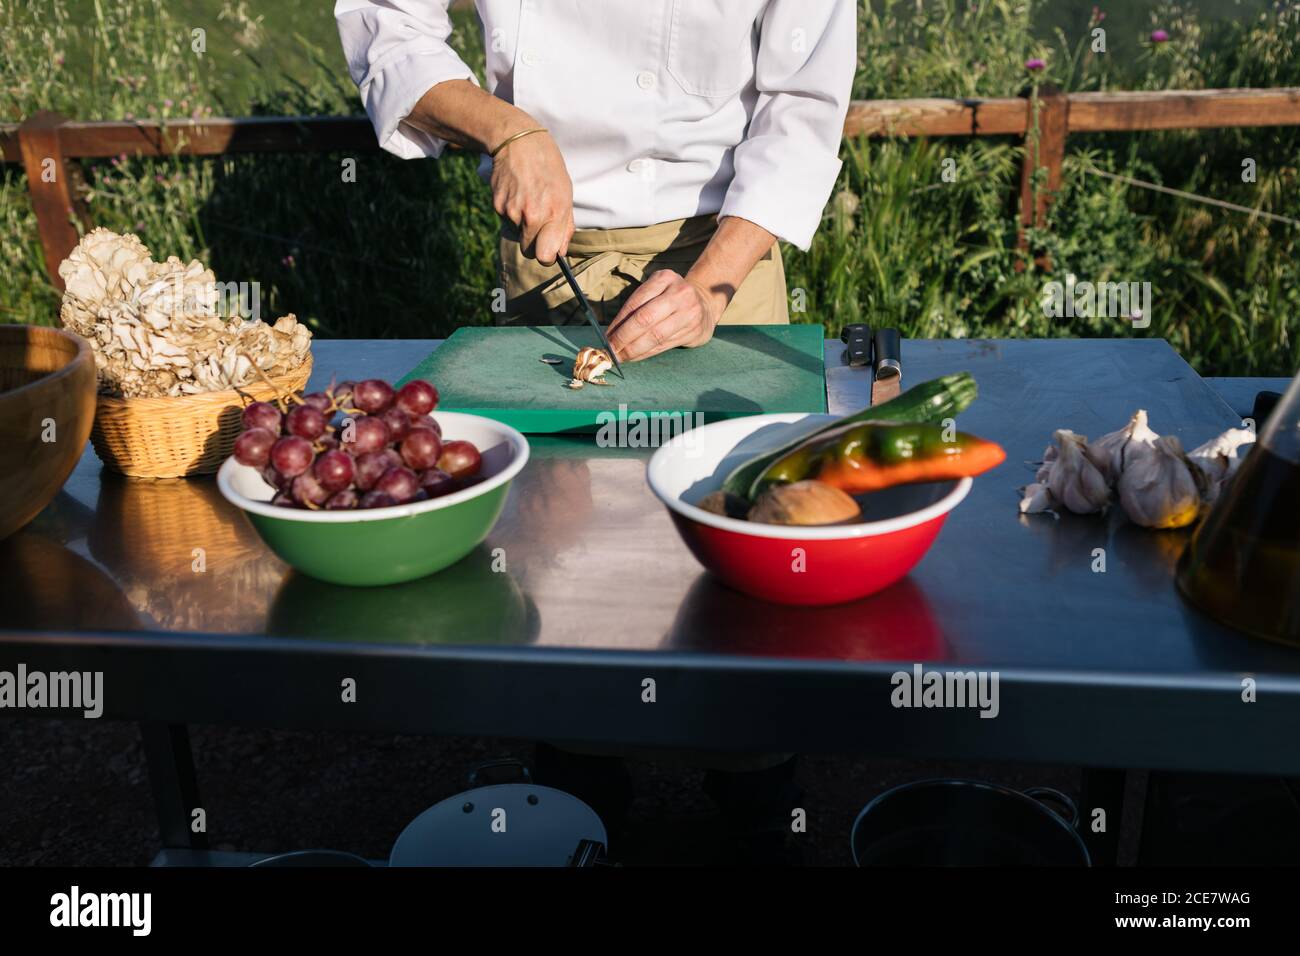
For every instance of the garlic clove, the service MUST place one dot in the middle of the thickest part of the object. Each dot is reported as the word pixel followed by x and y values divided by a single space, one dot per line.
pixel 1050 454
pixel 1037 499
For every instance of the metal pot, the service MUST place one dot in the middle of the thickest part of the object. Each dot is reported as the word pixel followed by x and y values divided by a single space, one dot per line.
pixel 968 823
pixel 507 824
pixel 312 858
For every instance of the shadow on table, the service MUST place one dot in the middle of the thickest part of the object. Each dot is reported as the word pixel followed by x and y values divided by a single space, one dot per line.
pixel 765 439
pixel 896 624
pixel 467 603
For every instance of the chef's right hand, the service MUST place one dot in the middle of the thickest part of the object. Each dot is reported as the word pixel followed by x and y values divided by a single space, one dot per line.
pixel 531 187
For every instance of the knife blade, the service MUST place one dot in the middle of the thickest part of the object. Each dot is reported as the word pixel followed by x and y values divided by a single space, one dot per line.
pixel 591 316
pixel 889 366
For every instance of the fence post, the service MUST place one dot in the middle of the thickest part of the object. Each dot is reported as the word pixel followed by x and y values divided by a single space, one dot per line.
pixel 50 186
pixel 1044 149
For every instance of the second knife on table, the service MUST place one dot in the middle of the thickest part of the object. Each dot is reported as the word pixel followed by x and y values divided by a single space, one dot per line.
pixel 888 349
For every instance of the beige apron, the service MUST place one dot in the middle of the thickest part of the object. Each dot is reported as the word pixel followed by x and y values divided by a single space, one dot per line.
pixel 610 263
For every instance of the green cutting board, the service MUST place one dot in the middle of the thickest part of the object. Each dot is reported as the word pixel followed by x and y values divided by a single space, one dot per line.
pixel 746 370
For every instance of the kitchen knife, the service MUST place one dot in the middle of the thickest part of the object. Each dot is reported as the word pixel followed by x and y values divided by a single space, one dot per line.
pixel 591 316
pixel 858 340
pixel 889 366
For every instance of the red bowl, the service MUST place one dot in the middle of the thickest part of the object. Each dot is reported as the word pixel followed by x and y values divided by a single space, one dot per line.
pixel 793 565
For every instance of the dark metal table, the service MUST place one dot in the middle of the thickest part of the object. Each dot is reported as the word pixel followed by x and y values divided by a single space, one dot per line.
pixel 167 590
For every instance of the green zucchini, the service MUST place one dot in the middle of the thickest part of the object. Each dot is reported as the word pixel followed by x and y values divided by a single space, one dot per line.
pixel 931 401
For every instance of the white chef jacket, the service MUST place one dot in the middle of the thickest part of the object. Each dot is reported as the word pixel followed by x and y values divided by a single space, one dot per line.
pixel 662 109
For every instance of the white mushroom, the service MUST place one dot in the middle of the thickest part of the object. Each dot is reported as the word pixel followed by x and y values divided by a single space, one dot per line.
pixel 155 327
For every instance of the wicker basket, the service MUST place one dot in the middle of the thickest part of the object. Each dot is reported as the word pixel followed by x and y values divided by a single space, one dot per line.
pixel 173 437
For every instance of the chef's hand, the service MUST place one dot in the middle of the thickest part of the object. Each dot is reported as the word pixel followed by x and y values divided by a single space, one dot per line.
pixel 531 187
pixel 530 183
pixel 665 311
pixel 669 310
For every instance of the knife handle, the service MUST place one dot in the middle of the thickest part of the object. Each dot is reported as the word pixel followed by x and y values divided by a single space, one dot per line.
pixel 858 340
pixel 1265 402
pixel 889 353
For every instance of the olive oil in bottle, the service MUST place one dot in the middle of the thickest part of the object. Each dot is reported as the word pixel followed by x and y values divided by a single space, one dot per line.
pixel 1242 566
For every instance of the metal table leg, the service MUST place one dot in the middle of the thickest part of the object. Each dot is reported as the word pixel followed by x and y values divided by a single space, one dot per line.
pixel 175 785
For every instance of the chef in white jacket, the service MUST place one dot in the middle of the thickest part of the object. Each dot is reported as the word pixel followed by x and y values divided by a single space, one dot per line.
pixel 663 145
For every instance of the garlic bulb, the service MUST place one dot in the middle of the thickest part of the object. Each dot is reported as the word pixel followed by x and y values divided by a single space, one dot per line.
pixel 1073 480
pixel 1160 490
pixel 154 326
pixel 1219 458
pixel 1111 452
pixel 1157 484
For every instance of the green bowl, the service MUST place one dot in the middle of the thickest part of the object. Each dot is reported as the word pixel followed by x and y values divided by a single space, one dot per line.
pixel 386 545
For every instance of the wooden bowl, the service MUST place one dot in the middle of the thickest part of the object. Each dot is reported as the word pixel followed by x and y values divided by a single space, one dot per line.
pixel 47 406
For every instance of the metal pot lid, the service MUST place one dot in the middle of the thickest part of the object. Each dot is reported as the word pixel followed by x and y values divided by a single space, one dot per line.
pixel 511 824
pixel 312 858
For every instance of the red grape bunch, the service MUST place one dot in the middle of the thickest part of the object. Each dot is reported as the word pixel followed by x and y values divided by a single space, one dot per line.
pixel 355 445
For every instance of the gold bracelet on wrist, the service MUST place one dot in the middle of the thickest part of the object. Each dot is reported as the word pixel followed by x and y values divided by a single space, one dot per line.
pixel 520 135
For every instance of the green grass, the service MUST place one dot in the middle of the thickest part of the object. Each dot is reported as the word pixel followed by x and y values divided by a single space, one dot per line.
pixel 409 248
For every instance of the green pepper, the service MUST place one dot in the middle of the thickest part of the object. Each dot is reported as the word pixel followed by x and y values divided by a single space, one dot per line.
pixel 867 456
pixel 931 401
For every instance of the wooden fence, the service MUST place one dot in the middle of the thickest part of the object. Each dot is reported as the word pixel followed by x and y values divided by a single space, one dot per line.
pixel 46 141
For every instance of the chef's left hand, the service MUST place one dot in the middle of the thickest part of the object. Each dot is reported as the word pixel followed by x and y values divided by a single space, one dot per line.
pixel 665 311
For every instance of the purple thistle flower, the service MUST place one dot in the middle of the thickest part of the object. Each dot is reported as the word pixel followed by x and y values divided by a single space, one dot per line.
pixel 1159 36
pixel 1035 64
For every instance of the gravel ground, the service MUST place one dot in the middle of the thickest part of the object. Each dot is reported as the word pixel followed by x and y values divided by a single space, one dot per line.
pixel 78 793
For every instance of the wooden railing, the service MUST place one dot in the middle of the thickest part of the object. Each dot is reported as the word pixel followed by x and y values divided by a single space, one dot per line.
pixel 45 142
